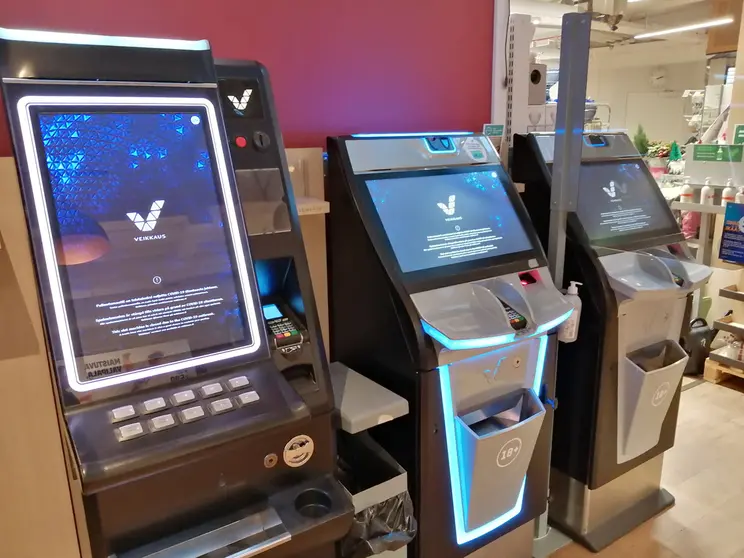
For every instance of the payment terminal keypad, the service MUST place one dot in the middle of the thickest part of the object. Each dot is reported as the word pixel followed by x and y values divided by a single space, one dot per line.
pixel 285 332
pixel 516 320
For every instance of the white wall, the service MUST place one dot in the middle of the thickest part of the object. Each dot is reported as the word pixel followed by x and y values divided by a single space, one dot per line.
pixel 620 77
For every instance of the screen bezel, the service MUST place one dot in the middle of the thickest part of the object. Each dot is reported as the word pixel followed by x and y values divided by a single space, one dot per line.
pixel 637 238
pixel 473 270
pixel 40 202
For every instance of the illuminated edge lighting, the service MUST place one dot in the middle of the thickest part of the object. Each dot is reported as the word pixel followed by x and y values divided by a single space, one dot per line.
pixel 449 151
pixel 682 29
pixel 542 352
pixel 464 344
pixel 47 239
pixel 553 323
pixel 412 135
pixel 35 36
pixel 461 534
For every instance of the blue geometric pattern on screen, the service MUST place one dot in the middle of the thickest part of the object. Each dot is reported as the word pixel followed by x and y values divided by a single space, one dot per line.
pixel 97 160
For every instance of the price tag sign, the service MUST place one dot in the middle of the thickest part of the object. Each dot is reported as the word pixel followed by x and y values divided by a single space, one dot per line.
pixel 732 239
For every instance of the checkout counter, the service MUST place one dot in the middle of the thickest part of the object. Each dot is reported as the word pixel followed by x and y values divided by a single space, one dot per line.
pixel 618 385
pixel 190 383
pixel 440 293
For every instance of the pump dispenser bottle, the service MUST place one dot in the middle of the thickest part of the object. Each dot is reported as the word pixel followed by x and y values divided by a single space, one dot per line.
pixel 569 330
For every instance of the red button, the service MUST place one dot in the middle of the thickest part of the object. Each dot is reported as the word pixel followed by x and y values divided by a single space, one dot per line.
pixel 241 142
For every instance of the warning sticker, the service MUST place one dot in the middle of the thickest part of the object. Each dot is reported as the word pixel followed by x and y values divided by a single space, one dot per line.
pixel 475 149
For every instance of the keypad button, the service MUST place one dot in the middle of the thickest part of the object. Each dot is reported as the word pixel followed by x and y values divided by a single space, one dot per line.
pixel 181 397
pixel 220 406
pixel 239 382
pixel 129 432
pixel 162 422
pixel 191 414
pixel 123 413
pixel 211 390
pixel 153 405
pixel 248 397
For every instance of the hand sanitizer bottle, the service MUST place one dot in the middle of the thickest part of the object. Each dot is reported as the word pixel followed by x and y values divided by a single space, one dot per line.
pixel 729 193
pixel 569 330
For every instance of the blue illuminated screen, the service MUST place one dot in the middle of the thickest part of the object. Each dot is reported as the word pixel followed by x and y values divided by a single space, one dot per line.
pixel 272 312
pixel 444 219
pixel 145 258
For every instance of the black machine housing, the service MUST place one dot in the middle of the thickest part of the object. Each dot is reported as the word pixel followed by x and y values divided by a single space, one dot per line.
pixel 167 488
pixel 585 430
pixel 376 330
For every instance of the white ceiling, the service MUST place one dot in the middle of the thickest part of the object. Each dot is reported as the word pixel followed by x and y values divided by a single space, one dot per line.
pixel 639 17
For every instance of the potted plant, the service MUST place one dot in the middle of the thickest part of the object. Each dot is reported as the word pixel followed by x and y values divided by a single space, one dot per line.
pixel 657 157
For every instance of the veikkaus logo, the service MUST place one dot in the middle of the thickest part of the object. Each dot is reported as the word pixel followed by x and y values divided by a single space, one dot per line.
pixel 240 104
pixel 449 210
pixel 148 223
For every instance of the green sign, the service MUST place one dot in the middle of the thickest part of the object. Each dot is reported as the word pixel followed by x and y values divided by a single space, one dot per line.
pixel 718 153
pixel 739 134
pixel 493 130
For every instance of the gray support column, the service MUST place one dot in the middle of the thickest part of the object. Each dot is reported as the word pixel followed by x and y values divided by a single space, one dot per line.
pixel 575 35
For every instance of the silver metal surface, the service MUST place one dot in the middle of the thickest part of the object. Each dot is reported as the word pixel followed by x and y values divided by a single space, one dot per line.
pixel 574 66
pixel 516 544
pixel 584 510
pixel 380 154
pixel 248 536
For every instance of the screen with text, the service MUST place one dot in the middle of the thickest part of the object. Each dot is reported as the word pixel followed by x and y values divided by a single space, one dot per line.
pixel 144 255
pixel 617 199
pixel 445 219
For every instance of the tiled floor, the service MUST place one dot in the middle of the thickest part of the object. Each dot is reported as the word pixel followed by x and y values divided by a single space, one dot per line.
pixel 705 472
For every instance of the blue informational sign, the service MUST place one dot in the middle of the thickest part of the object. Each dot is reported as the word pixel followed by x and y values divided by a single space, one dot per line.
pixel 732 240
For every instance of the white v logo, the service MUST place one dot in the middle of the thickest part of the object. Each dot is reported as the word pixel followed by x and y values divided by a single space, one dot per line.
pixel 146 225
pixel 610 191
pixel 448 209
pixel 243 102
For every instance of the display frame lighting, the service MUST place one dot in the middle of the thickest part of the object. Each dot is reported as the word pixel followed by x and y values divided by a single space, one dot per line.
pixel 57 37
pixel 40 207
pixel 684 28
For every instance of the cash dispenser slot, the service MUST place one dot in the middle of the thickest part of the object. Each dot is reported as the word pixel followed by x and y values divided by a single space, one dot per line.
pixel 650 377
pixel 276 522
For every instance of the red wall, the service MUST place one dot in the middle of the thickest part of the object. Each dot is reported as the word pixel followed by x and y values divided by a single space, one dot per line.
pixel 337 66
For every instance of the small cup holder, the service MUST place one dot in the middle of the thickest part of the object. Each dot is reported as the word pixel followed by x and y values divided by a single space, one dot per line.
pixel 313 503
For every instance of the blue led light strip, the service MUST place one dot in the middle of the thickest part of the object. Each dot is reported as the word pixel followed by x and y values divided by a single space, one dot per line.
pixel 412 135
pixel 453 460
pixel 553 323
pixel 33 36
pixel 464 344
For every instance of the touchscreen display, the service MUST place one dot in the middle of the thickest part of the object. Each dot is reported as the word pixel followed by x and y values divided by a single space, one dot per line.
pixel 617 199
pixel 445 219
pixel 144 248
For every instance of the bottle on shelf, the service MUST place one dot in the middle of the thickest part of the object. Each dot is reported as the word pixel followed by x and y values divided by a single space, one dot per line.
pixel 739 196
pixel 729 193
pixel 707 193
pixel 687 195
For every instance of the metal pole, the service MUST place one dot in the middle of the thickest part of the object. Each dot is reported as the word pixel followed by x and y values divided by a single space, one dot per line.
pixel 569 130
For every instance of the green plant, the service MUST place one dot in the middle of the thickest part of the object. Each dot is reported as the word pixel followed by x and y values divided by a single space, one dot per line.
pixel 675 153
pixel 640 140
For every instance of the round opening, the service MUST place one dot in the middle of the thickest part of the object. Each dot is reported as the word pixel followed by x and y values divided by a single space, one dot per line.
pixel 313 503
pixel 535 77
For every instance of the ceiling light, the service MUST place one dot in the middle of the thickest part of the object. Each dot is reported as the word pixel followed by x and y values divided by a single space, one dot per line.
pixel 692 27
pixel 632 1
